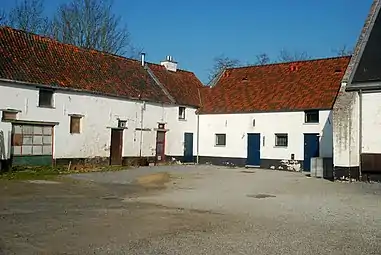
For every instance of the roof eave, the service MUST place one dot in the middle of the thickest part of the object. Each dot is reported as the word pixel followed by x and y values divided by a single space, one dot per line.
pixel 82 91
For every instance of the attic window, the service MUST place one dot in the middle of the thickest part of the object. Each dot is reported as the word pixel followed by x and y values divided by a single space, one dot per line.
pixel 338 70
pixel 45 98
pixel 181 113
pixel 244 79
pixel 311 116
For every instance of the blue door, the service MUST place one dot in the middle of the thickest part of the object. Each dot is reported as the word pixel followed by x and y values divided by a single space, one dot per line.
pixel 188 147
pixel 253 150
pixel 311 150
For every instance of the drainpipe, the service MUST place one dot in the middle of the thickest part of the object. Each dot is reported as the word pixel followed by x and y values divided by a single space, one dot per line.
pixel 141 128
pixel 198 138
pixel 360 132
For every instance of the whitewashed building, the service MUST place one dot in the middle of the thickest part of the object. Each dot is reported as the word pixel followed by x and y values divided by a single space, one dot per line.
pixel 275 116
pixel 62 104
pixel 357 111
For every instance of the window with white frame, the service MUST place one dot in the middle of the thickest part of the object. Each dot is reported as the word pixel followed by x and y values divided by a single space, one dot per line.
pixel 220 139
pixel 181 113
pixel 281 140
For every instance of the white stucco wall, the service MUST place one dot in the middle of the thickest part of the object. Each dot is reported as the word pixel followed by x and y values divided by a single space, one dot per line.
pixel 371 122
pixel 346 129
pixel 236 127
pixel 100 113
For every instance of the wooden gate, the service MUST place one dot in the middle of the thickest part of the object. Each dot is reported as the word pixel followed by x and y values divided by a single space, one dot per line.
pixel 32 144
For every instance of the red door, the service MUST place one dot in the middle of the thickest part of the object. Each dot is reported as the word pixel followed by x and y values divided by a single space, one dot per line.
pixel 160 146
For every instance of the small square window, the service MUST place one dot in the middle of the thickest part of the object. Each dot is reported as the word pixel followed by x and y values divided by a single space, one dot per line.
pixel 220 139
pixel 75 124
pixel 45 98
pixel 281 140
pixel 311 116
pixel 122 123
pixel 181 113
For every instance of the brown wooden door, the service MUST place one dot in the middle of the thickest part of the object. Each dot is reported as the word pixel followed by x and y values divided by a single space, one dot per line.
pixel 116 146
pixel 160 146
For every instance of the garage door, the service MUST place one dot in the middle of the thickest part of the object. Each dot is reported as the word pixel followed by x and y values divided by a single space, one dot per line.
pixel 32 145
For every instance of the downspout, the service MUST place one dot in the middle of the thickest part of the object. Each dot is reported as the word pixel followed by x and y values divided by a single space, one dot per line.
pixel 360 132
pixel 141 128
pixel 198 137
pixel 198 127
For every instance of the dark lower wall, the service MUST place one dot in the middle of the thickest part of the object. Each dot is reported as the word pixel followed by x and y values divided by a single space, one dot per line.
pixel 346 172
pixel 277 164
pixel 5 165
pixel 103 161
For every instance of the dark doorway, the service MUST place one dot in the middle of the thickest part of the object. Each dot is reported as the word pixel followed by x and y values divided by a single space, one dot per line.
pixel 160 146
pixel 116 146
pixel 311 150
pixel 253 150
pixel 188 148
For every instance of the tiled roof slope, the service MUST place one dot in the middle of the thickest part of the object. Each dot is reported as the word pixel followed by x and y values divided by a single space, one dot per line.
pixel 182 85
pixel 313 84
pixel 34 59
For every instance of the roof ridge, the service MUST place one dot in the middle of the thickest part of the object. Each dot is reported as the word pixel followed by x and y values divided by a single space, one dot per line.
pixel 291 62
pixel 45 37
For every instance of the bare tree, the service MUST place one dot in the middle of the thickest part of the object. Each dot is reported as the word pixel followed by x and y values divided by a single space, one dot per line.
pixel 91 24
pixel 28 15
pixel 221 62
pixel 262 59
pixel 287 56
pixel 3 18
pixel 343 51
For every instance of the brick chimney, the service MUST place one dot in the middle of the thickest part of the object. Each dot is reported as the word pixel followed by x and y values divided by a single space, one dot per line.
pixel 169 64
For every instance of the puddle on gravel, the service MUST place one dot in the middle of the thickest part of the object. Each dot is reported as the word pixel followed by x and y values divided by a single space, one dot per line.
pixel 260 196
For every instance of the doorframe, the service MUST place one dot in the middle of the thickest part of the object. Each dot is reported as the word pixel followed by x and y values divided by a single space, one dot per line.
pixel 191 161
pixel 164 145
pixel 304 147
pixel 121 150
pixel 247 151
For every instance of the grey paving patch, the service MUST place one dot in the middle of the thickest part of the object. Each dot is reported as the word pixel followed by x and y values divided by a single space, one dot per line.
pixel 259 196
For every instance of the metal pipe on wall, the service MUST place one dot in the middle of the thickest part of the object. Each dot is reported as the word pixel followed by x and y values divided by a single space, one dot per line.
pixel 198 138
pixel 141 127
pixel 360 132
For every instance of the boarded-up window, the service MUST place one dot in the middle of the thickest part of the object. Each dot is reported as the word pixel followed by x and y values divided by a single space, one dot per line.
pixel 75 124
pixel 32 140
pixel 9 115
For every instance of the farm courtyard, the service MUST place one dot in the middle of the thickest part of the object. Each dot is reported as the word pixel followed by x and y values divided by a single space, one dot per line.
pixel 189 210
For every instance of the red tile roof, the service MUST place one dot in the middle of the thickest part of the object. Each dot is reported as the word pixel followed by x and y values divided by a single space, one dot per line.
pixel 182 85
pixel 302 85
pixel 35 59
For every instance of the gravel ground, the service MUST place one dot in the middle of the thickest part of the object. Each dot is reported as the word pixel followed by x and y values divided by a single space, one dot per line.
pixel 203 210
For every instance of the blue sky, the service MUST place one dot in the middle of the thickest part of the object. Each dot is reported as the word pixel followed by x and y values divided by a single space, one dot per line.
pixel 196 31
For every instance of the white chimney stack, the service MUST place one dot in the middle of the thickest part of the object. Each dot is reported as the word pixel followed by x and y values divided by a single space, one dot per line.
pixel 169 64
pixel 143 58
